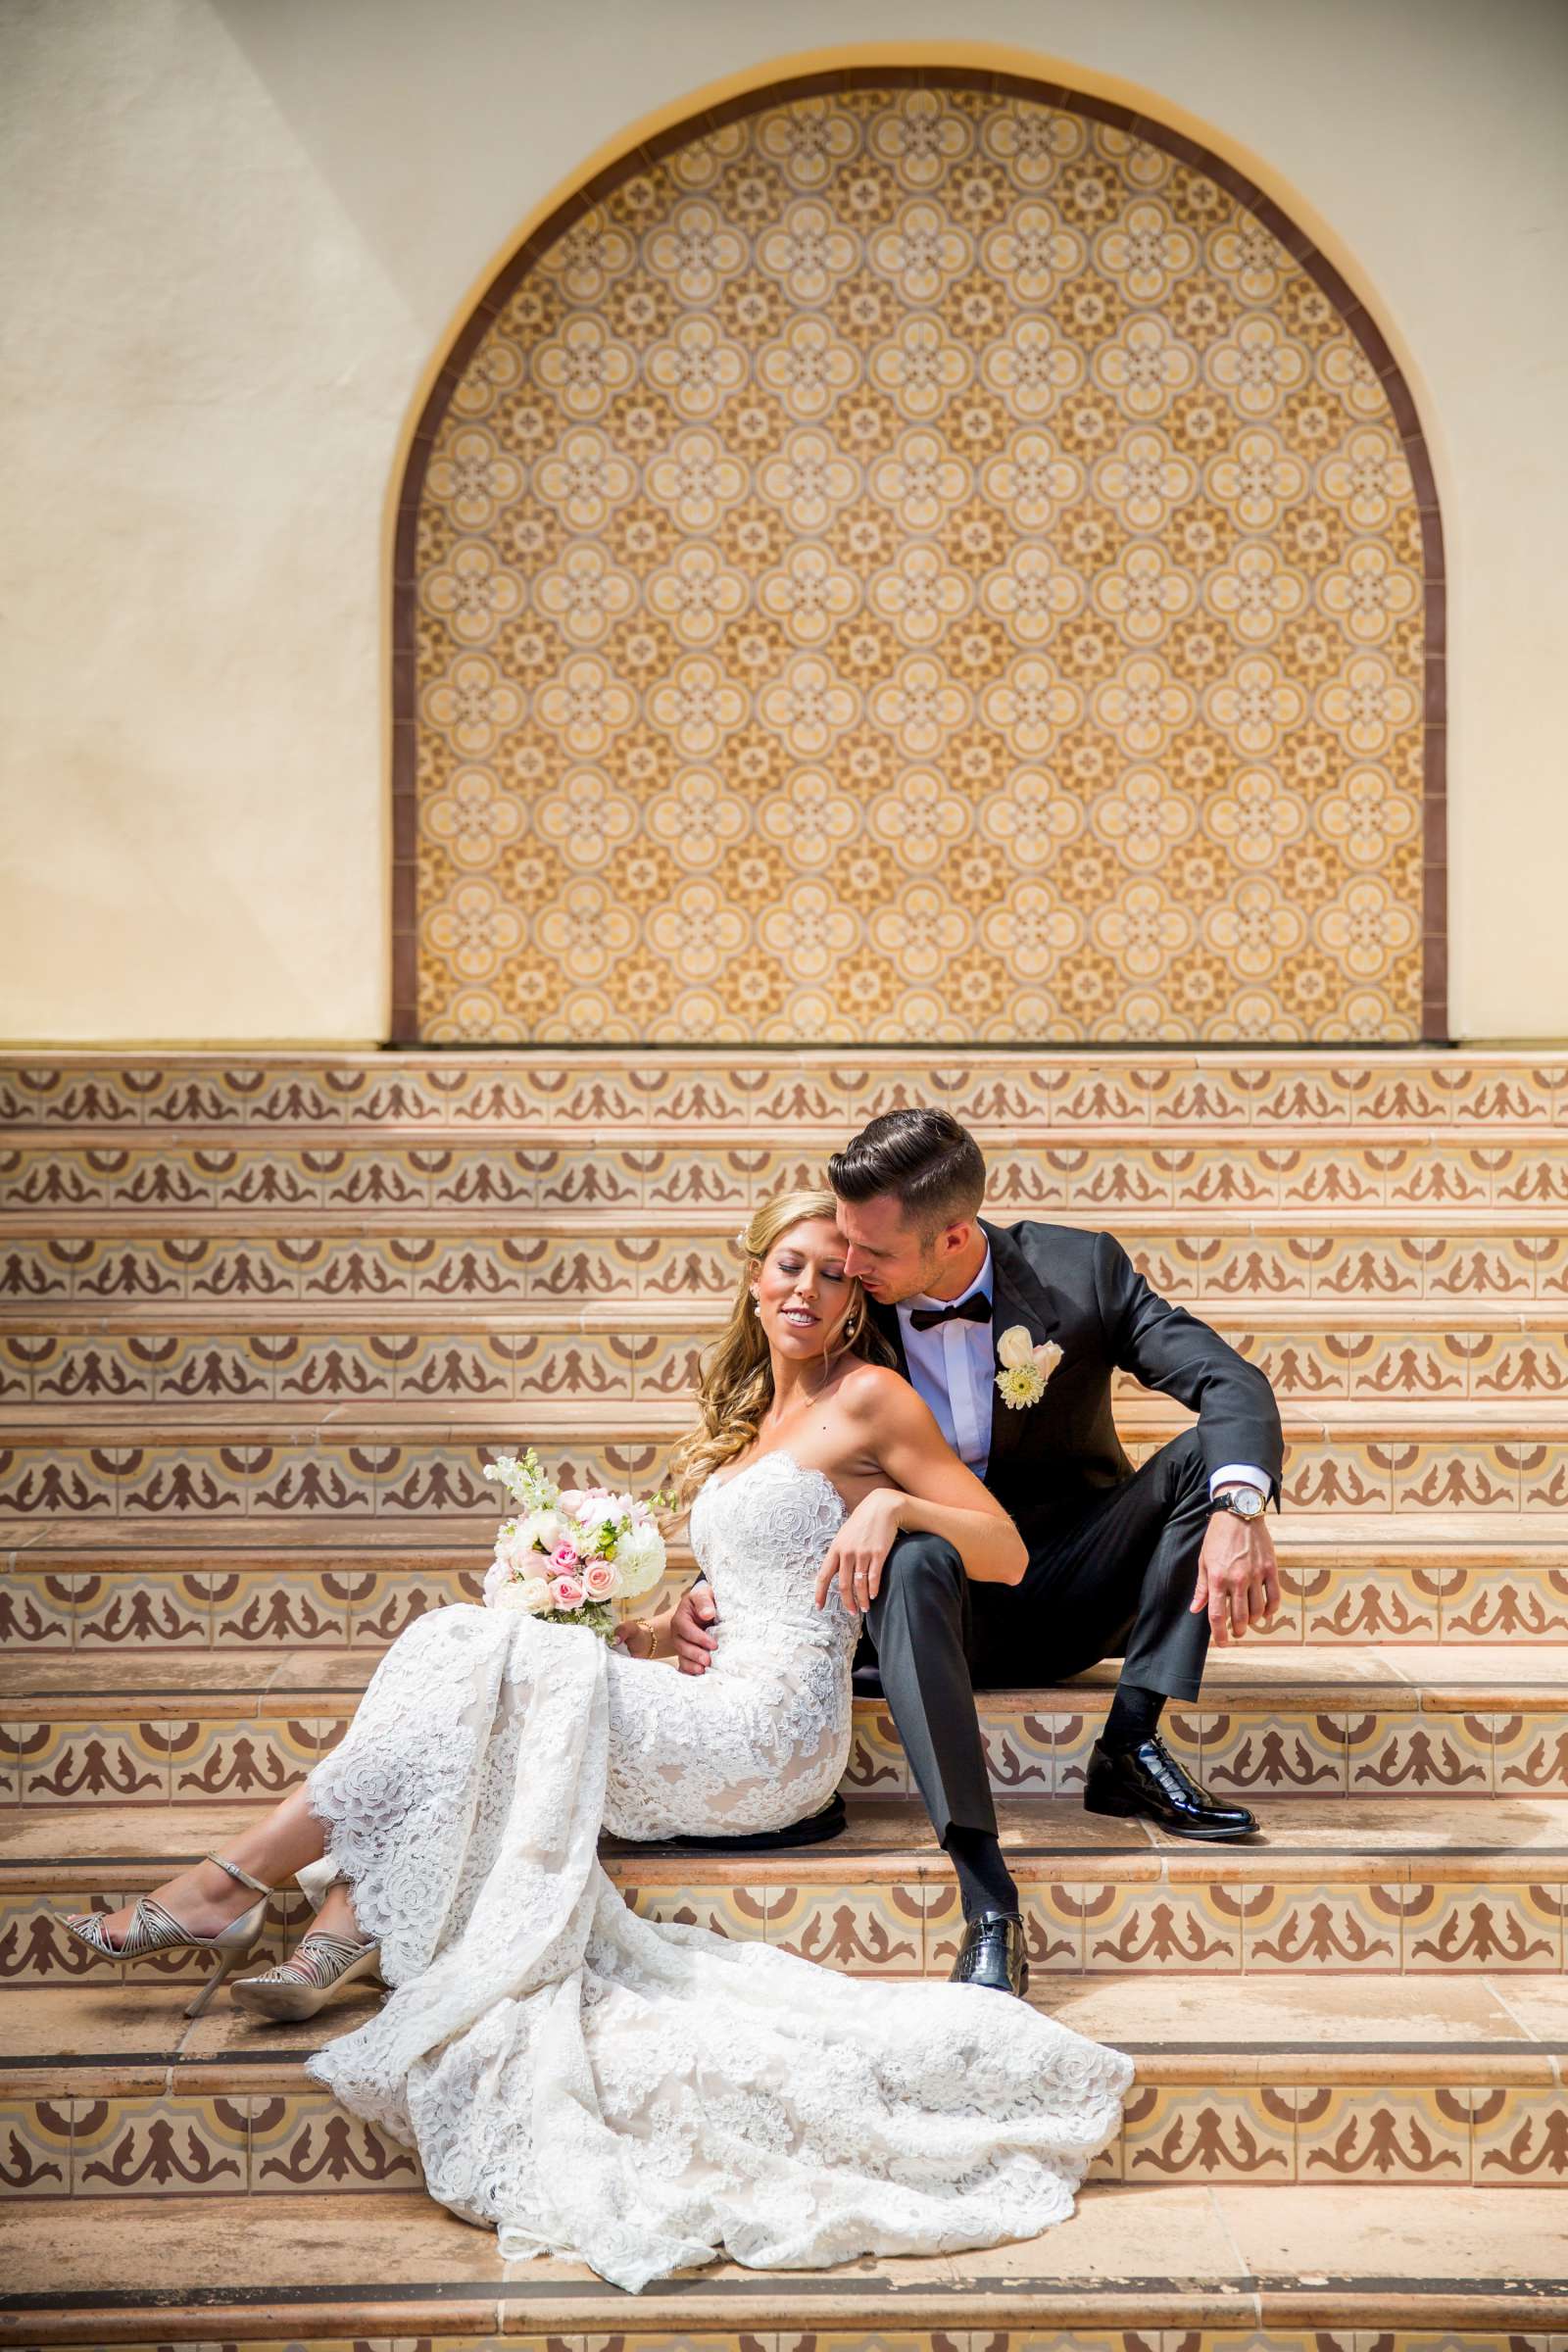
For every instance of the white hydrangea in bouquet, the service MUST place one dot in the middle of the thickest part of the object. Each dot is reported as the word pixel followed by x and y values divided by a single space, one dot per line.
pixel 568 1556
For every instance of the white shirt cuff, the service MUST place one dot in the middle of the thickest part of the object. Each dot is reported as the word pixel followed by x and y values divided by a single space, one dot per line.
pixel 1240 1474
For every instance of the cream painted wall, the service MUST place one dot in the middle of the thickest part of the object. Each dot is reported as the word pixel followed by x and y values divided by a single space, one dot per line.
pixel 234 234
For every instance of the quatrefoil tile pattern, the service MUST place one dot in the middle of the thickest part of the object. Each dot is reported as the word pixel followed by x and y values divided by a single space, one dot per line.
pixel 916 564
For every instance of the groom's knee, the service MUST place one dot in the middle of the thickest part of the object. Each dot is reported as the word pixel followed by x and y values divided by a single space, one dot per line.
pixel 923 1575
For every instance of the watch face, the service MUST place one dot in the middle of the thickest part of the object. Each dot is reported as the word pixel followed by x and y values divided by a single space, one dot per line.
pixel 1246 1502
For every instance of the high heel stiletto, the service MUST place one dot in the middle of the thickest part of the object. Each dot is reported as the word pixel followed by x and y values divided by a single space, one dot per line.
pixel 297 1988
pixel 153 1928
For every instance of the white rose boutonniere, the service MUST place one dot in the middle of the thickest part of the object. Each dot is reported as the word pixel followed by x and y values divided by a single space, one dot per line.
pixel 1025 1368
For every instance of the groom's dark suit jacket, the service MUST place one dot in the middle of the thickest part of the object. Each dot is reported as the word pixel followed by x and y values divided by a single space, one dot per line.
pixel 1083 1290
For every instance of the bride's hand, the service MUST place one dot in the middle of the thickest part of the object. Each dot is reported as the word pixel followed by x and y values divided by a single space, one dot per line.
pixel 857 1554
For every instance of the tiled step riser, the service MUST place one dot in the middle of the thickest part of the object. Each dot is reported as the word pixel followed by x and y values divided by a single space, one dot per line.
pixel 233 1611
pixel 172 1369
pixel 243 2137
pixel 1076 1924
pixel 1188 2335
pixel 588 1177
pixel 1208 1262
pixel 421 1479
pixel 330 1095
pixel 129 1754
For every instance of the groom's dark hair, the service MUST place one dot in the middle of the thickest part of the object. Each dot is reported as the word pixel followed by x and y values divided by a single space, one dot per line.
pixel 932 1166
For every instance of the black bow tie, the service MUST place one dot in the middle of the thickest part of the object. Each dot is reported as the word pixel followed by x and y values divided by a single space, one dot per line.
pixel 975 1310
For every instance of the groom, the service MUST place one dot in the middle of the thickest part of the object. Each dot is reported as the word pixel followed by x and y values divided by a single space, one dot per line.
pixel 1145 1565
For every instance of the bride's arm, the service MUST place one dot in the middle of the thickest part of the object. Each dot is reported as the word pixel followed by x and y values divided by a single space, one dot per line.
pixel 647 1636
pixel 928 1487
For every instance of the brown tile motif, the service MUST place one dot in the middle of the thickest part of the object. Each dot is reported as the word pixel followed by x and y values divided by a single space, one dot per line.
pixel 259 1477
pixel 34 2148
pixel 1520 2138
pixel 1098 1172
pixel 697 1268
pixel 187 2143
pixel 1416 1096
pixel 1261 2133
pixel 1384 2133
pixel 914 563
pixel 1290 1748
pixel 909 1926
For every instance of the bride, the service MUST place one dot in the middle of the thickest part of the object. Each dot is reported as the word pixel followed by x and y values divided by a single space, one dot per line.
pixel 640 2095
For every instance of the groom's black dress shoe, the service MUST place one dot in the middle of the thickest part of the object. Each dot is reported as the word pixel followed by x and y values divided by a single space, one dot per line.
pixel 1146 1783
pixel 992 1954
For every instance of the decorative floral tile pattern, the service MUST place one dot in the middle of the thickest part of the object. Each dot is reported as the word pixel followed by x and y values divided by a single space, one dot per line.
pixel 1096 1172
pixel 1271 2132
pixel 917 563
pixel 1418 1096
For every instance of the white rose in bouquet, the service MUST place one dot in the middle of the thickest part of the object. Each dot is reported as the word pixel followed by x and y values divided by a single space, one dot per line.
pixel 514 1547
pixel 640 1558
pixel 524 1595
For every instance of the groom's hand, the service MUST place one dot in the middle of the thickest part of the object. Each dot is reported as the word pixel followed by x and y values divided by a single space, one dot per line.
pixel 1238 1577
pixel 696 1614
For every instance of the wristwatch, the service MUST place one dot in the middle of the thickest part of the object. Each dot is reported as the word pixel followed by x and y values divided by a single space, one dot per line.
pixel 1244 1502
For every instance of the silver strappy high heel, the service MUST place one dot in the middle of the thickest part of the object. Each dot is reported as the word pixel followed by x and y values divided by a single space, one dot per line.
pixel 154 1929
pixel 318 1965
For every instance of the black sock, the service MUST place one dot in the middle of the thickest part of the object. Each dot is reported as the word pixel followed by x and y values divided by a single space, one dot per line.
pixel 985 1883
pixel 1134 1716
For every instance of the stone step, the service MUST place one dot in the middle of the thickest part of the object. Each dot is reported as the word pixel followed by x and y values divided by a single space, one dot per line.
pixel 105 2091
pixel 422 1468
pixel 1151 2267
pixel 589 1178
pixel 221 1594
pixel 1310 1358
pixel 1332 1889
pixel 1397 1723
pixel 332 1094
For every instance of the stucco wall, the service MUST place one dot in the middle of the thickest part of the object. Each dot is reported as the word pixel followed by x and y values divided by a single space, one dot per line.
pixel 235 236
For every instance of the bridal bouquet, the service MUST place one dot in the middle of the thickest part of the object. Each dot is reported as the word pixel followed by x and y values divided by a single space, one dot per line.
pixel 568 1556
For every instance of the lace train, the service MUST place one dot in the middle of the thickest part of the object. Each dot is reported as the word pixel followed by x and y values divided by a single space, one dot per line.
pixel 639 2095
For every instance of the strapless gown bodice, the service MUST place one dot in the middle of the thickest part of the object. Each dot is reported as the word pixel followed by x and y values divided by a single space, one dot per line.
pixel 759 1535
pixel 762 1738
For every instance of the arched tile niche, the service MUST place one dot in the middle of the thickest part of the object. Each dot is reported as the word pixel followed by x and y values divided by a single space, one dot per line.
pixel 918 559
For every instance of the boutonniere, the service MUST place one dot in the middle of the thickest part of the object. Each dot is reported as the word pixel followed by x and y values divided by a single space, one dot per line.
pixel 1025 1368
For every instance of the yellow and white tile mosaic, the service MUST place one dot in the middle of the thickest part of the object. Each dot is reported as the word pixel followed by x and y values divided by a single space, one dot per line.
pixel 914 563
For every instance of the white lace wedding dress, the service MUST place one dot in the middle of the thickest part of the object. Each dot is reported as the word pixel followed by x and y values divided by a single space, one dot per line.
pixel 645 2097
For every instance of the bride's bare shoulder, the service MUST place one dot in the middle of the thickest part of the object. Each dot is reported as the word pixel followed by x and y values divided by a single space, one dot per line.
pixel 879 1395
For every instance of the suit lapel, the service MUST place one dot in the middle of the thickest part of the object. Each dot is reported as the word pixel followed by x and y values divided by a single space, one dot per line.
pixel 1017 1296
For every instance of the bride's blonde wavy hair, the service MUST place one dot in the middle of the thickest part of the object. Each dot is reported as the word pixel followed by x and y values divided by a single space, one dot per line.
pixel 735 1384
